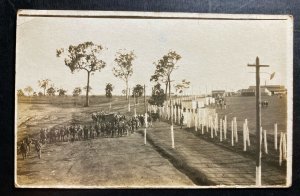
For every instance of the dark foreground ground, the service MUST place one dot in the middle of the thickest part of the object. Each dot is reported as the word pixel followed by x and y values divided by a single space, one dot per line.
pixel 101 162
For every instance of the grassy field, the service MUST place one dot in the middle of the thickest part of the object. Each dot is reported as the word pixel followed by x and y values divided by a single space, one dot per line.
pixel 245 108
pixel 73 101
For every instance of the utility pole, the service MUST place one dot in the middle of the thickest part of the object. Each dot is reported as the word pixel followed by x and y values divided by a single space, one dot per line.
pixel 258 120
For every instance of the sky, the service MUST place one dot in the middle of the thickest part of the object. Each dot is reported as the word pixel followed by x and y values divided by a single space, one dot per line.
pixel 215 53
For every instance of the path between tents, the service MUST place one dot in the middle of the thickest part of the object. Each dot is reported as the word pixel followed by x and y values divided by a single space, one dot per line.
pixel 206 163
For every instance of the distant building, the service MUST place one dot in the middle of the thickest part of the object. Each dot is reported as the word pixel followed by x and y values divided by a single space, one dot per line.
pixel 218 93
pixel 229 94
pixel 263 90
pixel 271 89
pixel 247 92
pixel 276 89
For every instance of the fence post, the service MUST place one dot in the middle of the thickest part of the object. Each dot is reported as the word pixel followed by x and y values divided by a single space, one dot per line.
pixel 179 114
pixel 215 128
pixel 207 124
pixel 248 135
pixel 176 113
pixel 284 141
pixel 225 127
pixel 280 149
pixel 265 142
pixel 275 136
pixel 145 130
pixel 172 120
pixel 193 118
pixel 172 136
pixel 221 130
pixel 216 124
pixel 145 136
pixel 189 119
pixel 232 134
pixel 235 130
pixel 211 131
pixel 244 136
pixel 196 123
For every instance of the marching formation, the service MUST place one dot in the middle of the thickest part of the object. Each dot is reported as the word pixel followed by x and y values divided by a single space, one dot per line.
pixel 25 147
pixel 103 125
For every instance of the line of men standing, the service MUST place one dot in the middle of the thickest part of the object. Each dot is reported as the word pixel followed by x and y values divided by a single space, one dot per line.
pixel 78 132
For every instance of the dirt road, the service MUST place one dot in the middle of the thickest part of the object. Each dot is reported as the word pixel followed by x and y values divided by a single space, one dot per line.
pixel 100 162
pixel 124 161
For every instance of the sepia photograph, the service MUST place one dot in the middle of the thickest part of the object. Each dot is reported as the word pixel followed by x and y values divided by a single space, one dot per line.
pixel 119 99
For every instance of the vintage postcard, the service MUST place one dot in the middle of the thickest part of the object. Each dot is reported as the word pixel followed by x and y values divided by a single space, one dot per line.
pixel 110 99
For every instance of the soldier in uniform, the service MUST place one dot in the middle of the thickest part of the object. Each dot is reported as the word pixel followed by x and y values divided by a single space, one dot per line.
pixel 28 142
pixel 132 124
pixel 181 121
pixel 97 130
pixel 136 123
pixel 113 129
pixel 102 128
pixel 62 134
pixel 142 120
pixel 85 132
pixel 91 132
pixel 23 149
pixel 38 148
pixel 79 133
pixel 149 119
pixel 43 136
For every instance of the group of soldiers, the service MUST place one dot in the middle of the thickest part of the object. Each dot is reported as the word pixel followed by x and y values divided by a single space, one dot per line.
pixel 119 125
pixel 103 125
pixel 264 104
pixel 25 147
pixel 221 103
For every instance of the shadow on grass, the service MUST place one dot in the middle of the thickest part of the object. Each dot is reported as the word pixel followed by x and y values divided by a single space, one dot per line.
pixel 178 162
pixel 271 158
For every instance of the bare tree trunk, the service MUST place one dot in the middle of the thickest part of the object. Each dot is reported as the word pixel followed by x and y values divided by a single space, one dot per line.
pixel 169 80
pixel 109 104
pixel 87 91
pixel 44 91
pixel 166 91
pixel 126 89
